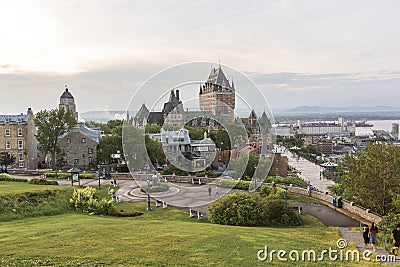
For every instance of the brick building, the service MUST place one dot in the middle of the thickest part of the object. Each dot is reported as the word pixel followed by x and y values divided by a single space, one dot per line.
pixel 17 137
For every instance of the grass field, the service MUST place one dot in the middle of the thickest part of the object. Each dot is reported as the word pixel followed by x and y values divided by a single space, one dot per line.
pixel 17 187
pixel 162 237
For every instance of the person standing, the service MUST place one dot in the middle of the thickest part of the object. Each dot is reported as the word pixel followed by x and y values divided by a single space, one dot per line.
pixel 396 239
pixel 216 191
pixel 309 188
pixel 372 235
pixel 209 190
pixel 366 234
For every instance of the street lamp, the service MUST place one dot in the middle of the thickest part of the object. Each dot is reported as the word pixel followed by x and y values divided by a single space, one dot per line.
pixel 286 190
pixel 148 194
pixel 98 172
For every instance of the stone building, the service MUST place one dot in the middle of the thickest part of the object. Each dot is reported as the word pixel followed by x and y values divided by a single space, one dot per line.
pixel 217 95
pixel 67 102
pixel 17 137
pixel 79 148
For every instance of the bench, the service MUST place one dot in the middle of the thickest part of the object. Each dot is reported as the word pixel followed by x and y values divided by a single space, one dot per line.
pixel 114 183
pixel 116 198
pixel 160 203
pixel 195 213
pixel 300 209
pixel 196 180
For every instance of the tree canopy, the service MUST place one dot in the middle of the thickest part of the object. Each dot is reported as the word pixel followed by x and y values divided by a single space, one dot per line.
pixel 372 177
pixel 50 125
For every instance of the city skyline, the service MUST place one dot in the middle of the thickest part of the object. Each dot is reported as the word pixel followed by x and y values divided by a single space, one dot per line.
pixel 314 53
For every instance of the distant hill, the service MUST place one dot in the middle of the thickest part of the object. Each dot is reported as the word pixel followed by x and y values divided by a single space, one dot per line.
pixel 321 109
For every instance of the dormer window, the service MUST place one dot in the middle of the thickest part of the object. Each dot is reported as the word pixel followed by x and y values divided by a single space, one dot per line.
pixel 19 120
pixel 8 120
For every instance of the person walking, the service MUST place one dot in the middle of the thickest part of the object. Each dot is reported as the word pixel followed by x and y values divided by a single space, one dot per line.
pixel 372 235
pixel 396 239
pixel 309 189
pixel 366 234
pixel 216 191
pixel 209 190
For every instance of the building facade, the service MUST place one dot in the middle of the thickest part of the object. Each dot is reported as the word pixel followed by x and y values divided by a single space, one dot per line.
pixel 217 95
pixel 79 148
pixel 67 102
pixel 17 137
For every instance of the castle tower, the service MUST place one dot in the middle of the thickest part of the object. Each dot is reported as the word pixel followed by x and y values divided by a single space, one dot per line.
pixel 217 95
pixel 67 102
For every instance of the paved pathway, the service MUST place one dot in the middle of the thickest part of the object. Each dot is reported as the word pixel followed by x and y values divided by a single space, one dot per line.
pixel 309 171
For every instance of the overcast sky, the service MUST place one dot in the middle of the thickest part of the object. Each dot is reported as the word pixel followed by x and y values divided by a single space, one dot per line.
pixel 328 53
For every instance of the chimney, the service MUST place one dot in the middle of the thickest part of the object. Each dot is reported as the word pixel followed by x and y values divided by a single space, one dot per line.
pixel 177 94
pixel 29 111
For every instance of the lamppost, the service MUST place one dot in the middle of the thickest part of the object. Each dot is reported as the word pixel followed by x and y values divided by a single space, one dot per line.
pixel 98 172
pixel 148 194
pixel 286 190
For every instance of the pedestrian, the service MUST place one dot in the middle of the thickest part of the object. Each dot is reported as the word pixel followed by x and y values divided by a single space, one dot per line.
pixel 396 239
pixel 366 234
pixel 309 189
pixel 372 235
pixel 216 191
pixel 209 190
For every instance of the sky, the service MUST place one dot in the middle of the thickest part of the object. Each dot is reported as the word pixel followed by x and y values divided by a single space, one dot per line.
pixel 326 53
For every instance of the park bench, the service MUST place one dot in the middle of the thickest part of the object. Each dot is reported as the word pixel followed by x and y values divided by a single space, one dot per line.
pixel 300 209
pixel 114 183
pixel 161 203
pixel 196 180
pixel 116 198
pixel 195 213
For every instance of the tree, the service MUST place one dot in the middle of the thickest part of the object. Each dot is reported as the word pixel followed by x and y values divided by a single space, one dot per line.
pixel 6 159
pixel 154 151
pixel 108 145
pixel 50 125
pixel 373 177
pixel 152 128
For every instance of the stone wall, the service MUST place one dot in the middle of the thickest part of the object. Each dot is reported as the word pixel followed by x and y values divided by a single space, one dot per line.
pixel 364 213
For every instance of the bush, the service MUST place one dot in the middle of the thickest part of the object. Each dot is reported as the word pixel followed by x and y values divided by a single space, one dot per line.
pixel 66 175
pixel 287 181
pixel 272 192
pixel 6 177
pixel 242 185
pixel 171 169
pixel 243 209
pixel 204 173
pixel 160 187
pixel 84 200
pixel 42 182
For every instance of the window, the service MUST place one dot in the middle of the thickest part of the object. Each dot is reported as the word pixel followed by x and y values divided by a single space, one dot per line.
pixel 90 160
pixel 19 120
pixel 76 161
pixel 69 141
pixel 21 165
pixel 7 120
pixel 7 132
pixel 90 150
pixel 20 157
pixel 83 140
pixel 8 144
pixel 19 131
pixel 20 144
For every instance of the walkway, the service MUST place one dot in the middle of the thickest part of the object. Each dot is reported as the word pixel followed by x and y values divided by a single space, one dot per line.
pixel 309 171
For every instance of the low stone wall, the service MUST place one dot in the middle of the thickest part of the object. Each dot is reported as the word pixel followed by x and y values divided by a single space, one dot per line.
pixel 364 213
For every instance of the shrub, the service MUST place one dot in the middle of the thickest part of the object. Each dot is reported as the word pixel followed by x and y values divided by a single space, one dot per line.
pixel 66 175
pixel 8 178
pixel 286 181
pixel 42 182
pixel 235 209
pixel 84 200
pixel 160 187
pixel 272 192
pixel 242 185
pixel 243 209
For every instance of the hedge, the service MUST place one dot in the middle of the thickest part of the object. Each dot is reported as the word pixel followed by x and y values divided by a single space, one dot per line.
pixel 42 182
pixel 66 175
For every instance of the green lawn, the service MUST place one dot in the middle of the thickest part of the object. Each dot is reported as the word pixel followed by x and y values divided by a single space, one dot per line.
pixel 19 187
pixel 162 237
